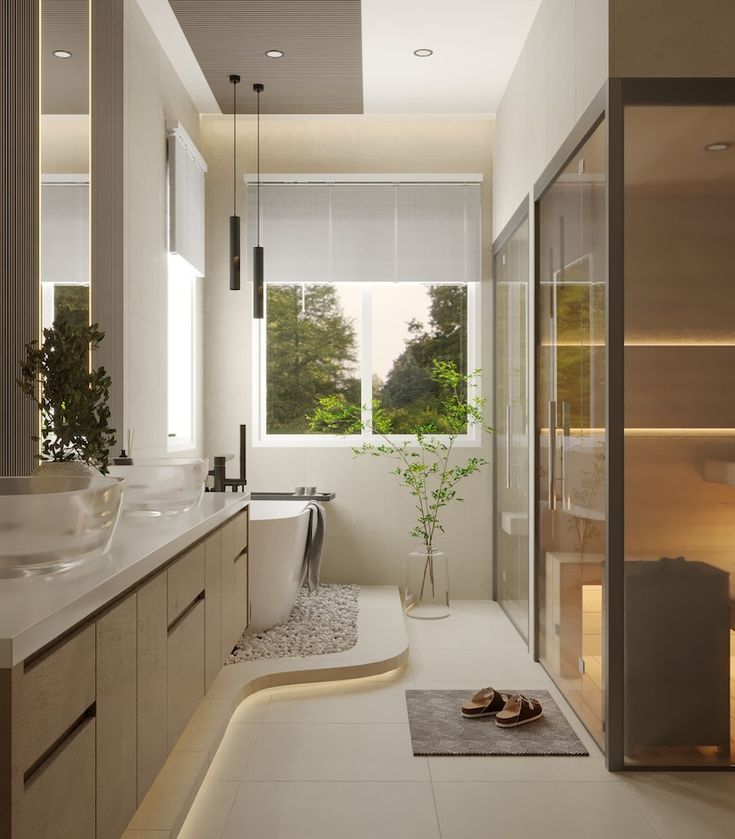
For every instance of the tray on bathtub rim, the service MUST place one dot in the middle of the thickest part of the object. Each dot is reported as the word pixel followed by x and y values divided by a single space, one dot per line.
pixel 291 496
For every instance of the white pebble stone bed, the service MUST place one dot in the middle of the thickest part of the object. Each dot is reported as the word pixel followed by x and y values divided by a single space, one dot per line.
pixel 320 623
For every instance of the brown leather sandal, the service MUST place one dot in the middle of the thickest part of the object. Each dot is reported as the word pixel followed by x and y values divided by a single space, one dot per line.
pixel 519 710
pixel 485 703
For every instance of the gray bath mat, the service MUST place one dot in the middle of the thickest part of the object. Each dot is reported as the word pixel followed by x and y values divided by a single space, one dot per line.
pixel 438 728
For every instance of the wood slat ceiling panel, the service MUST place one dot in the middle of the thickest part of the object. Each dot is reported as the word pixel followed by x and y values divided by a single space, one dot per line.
pixel 65 81
pixel 321 72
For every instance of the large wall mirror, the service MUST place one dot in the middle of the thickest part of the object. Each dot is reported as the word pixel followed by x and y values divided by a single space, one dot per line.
pixel 65 161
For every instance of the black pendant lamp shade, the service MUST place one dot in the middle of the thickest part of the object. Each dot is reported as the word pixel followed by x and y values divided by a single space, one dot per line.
pixel 234 218
pixel 258 287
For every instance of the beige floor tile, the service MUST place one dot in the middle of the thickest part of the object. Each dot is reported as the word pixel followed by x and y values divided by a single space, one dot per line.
pixel 341 752
pixel 476 666
pixel 234 752
pixel 208 815
pixel 578 769
pixel 686 805
pixel 333 811
pixel 358 701
pixel 531 810
pixel 468 629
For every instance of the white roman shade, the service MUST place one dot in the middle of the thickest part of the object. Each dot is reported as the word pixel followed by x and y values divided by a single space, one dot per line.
pixel 65 233
pixel 411 231
pixel 186 198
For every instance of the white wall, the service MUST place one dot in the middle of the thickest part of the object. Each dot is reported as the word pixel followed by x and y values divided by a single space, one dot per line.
pixel 154 95
pixel 368 523
pixel 563 64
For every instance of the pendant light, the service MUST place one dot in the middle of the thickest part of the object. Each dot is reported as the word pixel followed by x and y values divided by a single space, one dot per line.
pixel 258 289
pixel 234 218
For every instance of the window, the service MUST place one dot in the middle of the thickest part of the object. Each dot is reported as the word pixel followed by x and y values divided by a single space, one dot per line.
pixel 181 354
pixel 64 249
pixel 366 284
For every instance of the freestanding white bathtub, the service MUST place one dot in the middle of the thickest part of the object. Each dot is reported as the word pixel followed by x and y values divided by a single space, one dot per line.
pixel 278 531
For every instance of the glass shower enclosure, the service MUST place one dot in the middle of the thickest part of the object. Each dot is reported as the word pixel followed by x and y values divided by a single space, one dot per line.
pixel 634 421
pixel 570 428
pixel 511 273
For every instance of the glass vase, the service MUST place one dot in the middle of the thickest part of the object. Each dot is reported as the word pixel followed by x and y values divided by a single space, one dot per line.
pixel 426 594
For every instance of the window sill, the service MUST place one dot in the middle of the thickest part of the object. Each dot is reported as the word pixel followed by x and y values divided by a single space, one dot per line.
pixel 329 441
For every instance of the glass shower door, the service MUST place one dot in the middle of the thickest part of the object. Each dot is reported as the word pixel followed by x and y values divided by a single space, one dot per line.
pixel 511 428
pixel 570 429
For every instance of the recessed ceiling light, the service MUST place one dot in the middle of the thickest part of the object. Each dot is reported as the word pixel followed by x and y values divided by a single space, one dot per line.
pixel 62 53
pixel 423 53
pixel 717 147
pixel 275 53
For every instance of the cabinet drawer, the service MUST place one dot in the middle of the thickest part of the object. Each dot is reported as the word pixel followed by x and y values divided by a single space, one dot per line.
pixel 152 681
pixel 52 692
pixel 240 528
pixel 213 611
pixel 185 581
pixel 185 670
pixel 240 599
pixel 58 800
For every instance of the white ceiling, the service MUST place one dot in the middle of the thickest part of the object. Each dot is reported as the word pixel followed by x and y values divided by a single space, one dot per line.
pixel 476 45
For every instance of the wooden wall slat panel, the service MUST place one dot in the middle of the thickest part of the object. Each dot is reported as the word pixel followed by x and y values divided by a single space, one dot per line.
pixel 19 208
pixel 107 211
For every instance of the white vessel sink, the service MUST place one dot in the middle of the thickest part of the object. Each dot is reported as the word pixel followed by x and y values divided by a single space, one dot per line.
pixel 162 486
pixel 50 523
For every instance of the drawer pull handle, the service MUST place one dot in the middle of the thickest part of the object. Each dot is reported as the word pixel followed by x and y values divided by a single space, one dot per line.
pixel 185 613
pixel 59 744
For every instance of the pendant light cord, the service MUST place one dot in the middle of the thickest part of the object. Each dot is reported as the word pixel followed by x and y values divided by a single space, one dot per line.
pixel 257 155
pixel 234 149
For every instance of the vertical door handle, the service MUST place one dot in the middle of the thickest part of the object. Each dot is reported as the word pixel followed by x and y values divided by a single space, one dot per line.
pixel 563 454
pixel 552 455
pixel 508 438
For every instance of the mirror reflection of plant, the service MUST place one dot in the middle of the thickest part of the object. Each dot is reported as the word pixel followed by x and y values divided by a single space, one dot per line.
pixel 72 399
pixel 422 464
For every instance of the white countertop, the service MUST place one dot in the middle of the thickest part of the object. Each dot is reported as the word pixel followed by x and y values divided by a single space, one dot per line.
pixel 36 610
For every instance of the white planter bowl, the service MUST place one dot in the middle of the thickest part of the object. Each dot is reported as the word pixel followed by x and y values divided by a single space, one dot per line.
pixel 50 523
pixel 162 486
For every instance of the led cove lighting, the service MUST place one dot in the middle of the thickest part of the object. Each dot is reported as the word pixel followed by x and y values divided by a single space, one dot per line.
pixel 423 53
pixel 717 147
pixel 275 53
pixel 62 53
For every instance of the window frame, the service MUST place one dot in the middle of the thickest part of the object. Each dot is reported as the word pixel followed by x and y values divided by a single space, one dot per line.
pixel 259 367
pixel 180 445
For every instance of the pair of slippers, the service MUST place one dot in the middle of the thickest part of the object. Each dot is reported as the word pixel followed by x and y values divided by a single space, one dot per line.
pixel 509 710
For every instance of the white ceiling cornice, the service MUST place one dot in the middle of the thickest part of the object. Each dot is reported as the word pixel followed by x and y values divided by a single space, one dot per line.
pixel 163 22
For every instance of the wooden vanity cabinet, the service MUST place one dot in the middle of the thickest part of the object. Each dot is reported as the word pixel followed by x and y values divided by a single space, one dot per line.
pixel 212 608
pixel 87 723
pixel 52 754
pixel 117 718
pixel 240 575
pixel 152 680
pixel 227 603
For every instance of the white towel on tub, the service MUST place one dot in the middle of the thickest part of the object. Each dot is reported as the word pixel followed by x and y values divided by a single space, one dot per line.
pixel 314 544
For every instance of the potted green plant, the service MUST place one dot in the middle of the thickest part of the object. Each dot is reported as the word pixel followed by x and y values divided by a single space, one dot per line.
pixel 73 399
pixel 425 466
